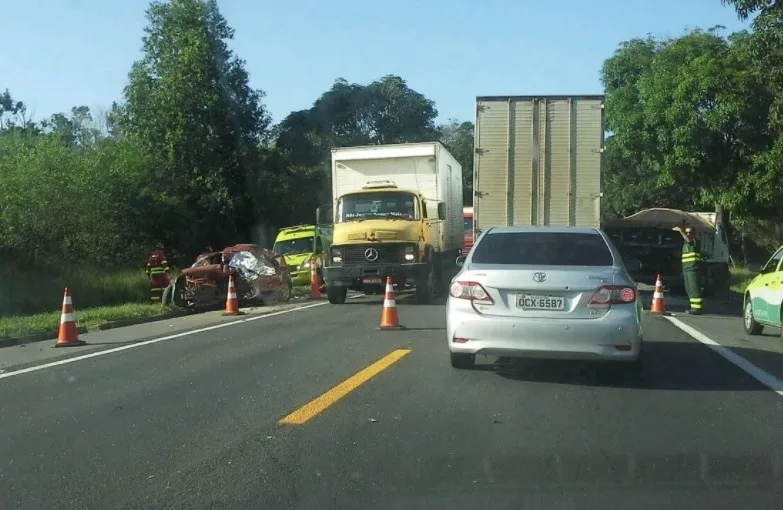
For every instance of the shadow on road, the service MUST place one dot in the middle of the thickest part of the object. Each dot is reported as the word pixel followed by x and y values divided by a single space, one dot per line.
pixel 730 306
pixel 407 298
pixel 679 366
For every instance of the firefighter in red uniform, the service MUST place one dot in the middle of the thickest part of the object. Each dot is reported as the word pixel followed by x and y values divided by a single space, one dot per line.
pixel 158 272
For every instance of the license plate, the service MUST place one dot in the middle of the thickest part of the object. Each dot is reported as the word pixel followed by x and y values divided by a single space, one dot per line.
pixel 372 280
pixel 541 302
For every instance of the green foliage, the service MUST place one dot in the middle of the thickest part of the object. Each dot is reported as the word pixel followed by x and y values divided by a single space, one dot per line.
pixel 629 186
pixel 458 138
pixel 689 115
pixel 48 322
pixel 188 157
pixel 188 102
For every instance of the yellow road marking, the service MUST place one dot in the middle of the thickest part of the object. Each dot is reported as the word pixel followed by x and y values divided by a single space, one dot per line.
pixel 320 404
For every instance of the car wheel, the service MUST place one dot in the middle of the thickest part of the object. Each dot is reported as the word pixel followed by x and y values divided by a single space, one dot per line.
pixel 748 322
pixel 285 294
pixel 168 296
pixel 781 321
pixel 462 360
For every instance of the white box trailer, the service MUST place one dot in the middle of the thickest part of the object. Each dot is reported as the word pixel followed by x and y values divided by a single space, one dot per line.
pixel 538 161
pixel 427 168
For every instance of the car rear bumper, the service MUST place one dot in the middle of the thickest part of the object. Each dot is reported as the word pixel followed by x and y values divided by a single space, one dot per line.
pixel 617 336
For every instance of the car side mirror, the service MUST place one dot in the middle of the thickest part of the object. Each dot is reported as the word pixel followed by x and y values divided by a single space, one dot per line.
pixel 632 264
pixel 460 260
pixel 441 211
pixel 755 268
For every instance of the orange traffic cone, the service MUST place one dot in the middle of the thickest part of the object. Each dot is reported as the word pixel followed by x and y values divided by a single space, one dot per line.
pixel 390 320
pixel 658 306
pixel 232 303
pixel 68 335
pixel 315 288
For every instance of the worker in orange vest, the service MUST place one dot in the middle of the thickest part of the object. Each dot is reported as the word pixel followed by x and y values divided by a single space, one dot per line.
pixel 158 273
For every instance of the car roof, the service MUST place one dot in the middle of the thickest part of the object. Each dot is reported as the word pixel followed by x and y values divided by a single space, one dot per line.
pixel 544 229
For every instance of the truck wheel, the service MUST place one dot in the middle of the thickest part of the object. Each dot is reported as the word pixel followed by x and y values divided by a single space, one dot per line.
pixel 425 289
pixel 336 295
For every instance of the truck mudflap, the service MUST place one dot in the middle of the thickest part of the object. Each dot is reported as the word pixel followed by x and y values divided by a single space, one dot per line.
pixel 359 277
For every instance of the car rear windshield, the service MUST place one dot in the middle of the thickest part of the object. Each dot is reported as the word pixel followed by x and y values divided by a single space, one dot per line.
pixel 543 248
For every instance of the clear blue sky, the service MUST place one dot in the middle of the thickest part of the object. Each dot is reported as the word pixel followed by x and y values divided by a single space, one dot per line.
pixel 61 53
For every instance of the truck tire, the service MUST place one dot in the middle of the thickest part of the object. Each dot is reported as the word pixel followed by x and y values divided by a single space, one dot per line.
pixel 721 280
pixel 425 289
pixel 336 295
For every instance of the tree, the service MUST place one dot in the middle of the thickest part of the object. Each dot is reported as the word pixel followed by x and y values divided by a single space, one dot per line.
pixel 77 131
pixel 189 103
pixel 458 138
pixel 385 111
pixel 745 8
pixel 348 114
pixel 765 47
pixel 13 114
pixel 692 111
pixel 629 186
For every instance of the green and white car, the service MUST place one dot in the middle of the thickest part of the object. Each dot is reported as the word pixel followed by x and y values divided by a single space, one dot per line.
pixel 764 296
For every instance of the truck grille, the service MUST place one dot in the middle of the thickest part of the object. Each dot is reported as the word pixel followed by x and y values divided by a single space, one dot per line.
pixel 389 253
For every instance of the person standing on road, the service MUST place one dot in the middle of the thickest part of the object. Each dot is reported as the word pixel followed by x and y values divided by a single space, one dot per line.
pixel 158 273
pixel 691 269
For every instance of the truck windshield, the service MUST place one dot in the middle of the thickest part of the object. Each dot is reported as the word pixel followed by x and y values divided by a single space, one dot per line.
pixel 386 204
pixel 294 246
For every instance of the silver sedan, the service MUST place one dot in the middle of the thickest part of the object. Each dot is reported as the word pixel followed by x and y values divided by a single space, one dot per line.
pixel 544 292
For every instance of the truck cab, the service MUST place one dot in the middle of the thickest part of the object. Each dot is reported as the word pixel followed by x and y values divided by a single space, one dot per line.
pixel 299 245
pixel 468 235
pixel 648 236
pixel 382 230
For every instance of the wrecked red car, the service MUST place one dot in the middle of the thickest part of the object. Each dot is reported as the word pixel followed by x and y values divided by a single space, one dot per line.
pixel 259 277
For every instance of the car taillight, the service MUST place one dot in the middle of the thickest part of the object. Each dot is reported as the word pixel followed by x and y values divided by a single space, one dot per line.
pixel 472 291
pixel 608 295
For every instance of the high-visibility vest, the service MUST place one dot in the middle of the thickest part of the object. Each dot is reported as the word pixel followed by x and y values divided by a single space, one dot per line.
pixel 157 264
pixel 691 257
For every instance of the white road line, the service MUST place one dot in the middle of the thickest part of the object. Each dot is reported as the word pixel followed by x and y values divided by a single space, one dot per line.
pixel 765 378
pixel 36 368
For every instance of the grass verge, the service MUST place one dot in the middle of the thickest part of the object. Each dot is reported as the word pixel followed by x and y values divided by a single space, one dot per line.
pixel 34 291
pixel 31 299
pixel 300 291
pixel 740 278
pixel 18 326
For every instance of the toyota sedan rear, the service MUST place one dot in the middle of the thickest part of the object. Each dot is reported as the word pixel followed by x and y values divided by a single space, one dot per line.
pixel 547 293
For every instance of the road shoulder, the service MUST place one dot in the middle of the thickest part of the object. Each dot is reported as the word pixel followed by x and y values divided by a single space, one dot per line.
pixel 761 356
pixel 30 354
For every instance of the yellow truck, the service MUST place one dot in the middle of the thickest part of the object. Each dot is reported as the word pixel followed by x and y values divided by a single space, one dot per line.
pixel 299 245
pixel 397 212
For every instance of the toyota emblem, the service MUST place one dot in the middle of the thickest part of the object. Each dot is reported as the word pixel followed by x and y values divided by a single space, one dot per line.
pixel 539 277
pixel 371 254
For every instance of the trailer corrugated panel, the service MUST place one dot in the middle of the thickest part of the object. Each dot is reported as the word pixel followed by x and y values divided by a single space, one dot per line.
pixel 538 160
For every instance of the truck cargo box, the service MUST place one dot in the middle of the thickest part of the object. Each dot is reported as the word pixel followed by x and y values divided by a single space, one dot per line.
pixel 538 160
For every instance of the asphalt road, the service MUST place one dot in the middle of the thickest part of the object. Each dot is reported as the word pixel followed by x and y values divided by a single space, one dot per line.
pixel 194 422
